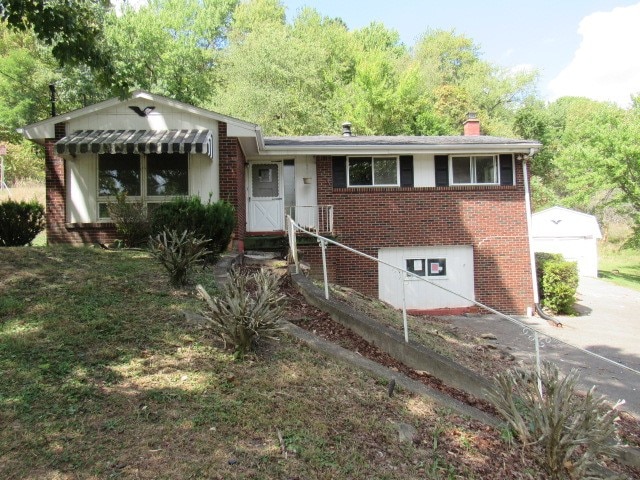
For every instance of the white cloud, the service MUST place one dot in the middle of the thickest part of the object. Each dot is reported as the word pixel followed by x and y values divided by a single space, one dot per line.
pixel 606 65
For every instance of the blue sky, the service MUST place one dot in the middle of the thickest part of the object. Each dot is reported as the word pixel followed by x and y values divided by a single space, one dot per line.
pixel 580 47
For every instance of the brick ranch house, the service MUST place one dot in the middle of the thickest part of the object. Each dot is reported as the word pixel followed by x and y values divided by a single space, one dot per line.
pixel 451 208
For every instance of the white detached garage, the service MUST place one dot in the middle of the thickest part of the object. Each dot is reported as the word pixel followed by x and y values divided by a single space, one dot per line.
pixel 569 232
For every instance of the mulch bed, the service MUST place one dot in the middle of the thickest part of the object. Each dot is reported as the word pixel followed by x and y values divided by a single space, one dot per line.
pixel 321 324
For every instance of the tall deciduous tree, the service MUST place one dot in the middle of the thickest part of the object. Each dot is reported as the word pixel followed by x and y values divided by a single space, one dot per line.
pixel 461 82
pixel 170 47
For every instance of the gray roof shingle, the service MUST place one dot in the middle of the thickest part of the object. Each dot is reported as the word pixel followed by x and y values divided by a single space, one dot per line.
pixel 365 141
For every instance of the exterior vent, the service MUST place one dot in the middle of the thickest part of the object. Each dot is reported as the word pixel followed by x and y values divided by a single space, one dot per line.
pixel 346 129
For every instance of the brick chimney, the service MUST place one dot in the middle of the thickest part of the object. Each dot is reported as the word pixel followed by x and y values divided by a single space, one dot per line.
pixel 471 125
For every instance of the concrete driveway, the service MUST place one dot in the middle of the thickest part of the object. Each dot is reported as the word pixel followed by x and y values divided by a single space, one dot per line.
pixel 609 325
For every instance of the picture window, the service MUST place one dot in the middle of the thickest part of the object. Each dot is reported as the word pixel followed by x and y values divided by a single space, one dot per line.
pixel 152 179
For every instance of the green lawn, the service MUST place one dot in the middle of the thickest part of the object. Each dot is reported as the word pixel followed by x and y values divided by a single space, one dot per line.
pixel 621 267
pixel 100 377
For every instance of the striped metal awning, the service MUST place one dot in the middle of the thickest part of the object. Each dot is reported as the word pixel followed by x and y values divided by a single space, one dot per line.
pixel 137 141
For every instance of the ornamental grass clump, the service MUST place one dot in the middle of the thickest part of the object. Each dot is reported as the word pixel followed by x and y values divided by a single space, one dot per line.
pixel 179 253
pixel 572 431
pixel 247 309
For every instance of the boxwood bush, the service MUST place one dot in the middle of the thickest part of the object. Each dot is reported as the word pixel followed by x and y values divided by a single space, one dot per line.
pixel 20 222
pixel 213 221
pixel 557 282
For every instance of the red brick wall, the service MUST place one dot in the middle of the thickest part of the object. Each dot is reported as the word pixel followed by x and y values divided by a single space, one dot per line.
pixel 232 189
pixel 58 231
pixel 232 180
pixel 492 219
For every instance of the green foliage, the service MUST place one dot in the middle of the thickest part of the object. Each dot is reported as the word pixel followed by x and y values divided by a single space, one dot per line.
pixel 572 430
pixel 130 218
pixel 590 159
pixel 247 309
pixel 73 30
pixel 310 75
pixel 170 47
pixel 213 221
pixel 20 222
pixel 179 253
pixel 557 282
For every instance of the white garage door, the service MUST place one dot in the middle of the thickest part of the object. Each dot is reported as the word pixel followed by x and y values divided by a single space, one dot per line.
pixel 449 266
pixel 581 250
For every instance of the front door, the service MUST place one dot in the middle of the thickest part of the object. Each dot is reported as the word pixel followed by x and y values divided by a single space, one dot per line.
pixel 266 198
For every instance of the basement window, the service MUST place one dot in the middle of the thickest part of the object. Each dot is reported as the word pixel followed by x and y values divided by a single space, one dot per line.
pixel 437 267
pixel 416 266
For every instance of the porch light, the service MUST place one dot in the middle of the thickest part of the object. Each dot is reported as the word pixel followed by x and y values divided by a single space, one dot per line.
pixel 306 180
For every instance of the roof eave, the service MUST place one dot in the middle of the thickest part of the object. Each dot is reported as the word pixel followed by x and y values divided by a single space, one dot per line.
pixel 46 128
pixel 525 148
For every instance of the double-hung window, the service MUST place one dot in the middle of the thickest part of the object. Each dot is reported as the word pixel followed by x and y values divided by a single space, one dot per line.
pixel 474 170
pixel 373 171
pixel 151 179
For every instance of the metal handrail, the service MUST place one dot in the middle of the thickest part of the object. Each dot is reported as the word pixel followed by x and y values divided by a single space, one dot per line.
pixel 405 274
pixel 318 218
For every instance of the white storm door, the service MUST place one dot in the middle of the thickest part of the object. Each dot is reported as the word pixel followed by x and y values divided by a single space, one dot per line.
pixel 266 198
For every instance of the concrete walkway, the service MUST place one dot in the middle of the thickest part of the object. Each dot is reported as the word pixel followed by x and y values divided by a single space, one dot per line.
pixel 609 325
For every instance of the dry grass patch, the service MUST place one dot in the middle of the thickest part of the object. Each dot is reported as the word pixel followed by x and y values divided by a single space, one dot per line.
pixel 26 191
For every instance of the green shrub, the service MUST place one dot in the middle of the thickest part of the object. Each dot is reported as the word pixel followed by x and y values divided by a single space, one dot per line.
pixel 130 219
pixel 557 282
pixel 213 221
pixel 572 430
pixel 248 308
pixel 20 222
pixel 179 253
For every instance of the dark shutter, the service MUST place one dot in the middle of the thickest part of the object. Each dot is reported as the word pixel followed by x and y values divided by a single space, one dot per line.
pixel 339 168
pixel 442 170
pixel 406 171
pixel 506 169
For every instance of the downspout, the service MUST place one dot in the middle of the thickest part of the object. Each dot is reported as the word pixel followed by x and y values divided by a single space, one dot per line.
pixel 532 256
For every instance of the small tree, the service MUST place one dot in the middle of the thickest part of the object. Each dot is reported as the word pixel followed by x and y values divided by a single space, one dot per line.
pixel 247 309
pixel 130 219
pixel 20 222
